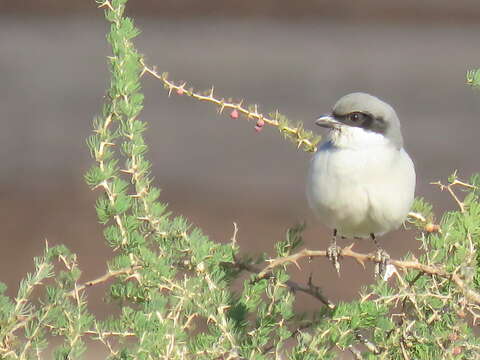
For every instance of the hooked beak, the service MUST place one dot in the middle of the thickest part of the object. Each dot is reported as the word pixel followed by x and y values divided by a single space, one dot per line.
pixel 328 121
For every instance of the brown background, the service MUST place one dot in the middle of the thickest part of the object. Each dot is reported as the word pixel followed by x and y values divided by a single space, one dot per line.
pixel 216 171
pixel 375 10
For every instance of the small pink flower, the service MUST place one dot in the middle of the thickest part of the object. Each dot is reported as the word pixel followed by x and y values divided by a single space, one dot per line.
pixel 258 128
pixel 234 114
pixel 180 91
pixel 260 123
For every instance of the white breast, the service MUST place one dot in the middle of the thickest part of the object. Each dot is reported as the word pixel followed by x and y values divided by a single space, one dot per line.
pixel 361 185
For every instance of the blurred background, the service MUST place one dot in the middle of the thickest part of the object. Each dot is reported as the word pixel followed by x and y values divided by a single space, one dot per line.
pixel 299 57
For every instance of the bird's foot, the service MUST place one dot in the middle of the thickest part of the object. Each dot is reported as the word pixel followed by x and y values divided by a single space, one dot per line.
pixel 381 262
pixel 333 253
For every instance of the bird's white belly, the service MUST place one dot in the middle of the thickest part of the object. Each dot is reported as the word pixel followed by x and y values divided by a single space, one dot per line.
pixel 359 192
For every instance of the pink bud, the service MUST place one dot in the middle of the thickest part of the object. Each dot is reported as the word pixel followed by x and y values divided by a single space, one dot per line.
pixel 457 350
pixel 260 123
pixel 180 91
pixel 258 128
pixel 234 114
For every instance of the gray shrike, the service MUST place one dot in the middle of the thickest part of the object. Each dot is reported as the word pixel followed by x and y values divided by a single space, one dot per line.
pixel 361 181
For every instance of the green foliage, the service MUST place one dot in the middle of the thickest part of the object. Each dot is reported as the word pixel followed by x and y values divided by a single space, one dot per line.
pixel 299 136
pixel 473 77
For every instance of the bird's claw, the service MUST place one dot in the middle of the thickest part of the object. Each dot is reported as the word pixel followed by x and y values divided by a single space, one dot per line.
pixel 381 262
pixel 333 253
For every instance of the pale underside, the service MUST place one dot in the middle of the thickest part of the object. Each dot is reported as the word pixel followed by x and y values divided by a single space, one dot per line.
pixel 361 189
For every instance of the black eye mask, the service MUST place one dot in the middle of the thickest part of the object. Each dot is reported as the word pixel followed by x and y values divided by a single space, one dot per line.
pixel 362 120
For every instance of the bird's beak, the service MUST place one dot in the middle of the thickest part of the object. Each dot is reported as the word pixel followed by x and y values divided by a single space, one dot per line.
pixel 328 121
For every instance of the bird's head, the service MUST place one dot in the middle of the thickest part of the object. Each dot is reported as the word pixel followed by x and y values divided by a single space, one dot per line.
pixel 360 119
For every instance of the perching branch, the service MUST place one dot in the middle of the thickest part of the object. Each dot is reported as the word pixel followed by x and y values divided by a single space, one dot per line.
pixel 373 258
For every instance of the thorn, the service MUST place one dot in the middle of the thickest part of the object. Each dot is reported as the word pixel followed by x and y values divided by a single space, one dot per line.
pixel 135 276
pixel 235 231
pixel 349 247
pixel 222 106
pixel 296 264
pixel 97 186
pixel 361 262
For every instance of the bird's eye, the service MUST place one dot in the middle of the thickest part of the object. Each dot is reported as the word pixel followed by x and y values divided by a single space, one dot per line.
pixel 355 117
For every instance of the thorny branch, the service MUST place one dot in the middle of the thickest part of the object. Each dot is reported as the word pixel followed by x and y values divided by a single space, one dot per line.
pixel 74 293
pixel 449 188
pixel 105 277
pixel 303 139
pixel 309 289
pixel 373 258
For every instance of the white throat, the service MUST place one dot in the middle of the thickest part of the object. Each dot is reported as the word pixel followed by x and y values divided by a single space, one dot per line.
pixel 350 137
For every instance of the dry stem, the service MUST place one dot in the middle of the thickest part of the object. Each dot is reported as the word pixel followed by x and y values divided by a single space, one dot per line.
pixel 449 188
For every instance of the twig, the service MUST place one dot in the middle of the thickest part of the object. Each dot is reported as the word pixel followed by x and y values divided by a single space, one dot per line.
pixel 303 138
pixel 417 216
pixel 373 258
pixel 105 277
pixel 404 352
pixel 449 188
pixel 310 289
pixel 426 224
pixel 109 333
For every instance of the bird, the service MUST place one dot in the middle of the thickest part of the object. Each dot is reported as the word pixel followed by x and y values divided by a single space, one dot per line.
pixel 361 181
